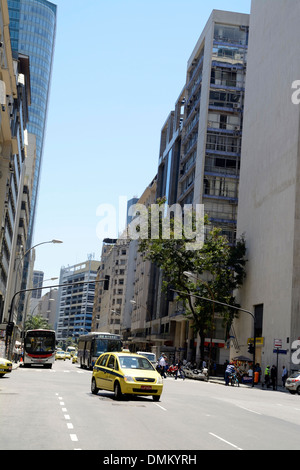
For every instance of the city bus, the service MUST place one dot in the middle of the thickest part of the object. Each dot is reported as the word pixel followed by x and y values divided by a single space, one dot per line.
pixel 91 345
pixel 71 350
pixel 39 347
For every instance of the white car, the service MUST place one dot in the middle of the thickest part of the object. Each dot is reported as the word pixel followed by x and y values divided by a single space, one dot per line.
pixel 150 356
pixel 292 383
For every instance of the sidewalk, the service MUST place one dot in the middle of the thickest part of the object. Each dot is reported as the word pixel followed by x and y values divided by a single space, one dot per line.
pixel 220 380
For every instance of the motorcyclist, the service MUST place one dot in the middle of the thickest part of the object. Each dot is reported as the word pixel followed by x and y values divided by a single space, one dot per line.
pixel 179 365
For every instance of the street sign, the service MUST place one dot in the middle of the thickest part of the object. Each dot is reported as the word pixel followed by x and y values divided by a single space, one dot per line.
pixel 280 351
pixel 278 343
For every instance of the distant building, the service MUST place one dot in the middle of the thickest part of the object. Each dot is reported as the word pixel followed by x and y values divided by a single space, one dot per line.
pixel 37 281
pixel 75 301
pixel 109 304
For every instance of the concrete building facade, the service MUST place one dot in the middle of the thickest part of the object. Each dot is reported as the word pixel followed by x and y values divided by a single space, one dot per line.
pixel 109 303
pixel 15 192
pixel 269 201
pixel 200 153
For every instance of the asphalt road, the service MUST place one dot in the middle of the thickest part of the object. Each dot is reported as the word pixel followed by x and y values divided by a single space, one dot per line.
pixel 55 410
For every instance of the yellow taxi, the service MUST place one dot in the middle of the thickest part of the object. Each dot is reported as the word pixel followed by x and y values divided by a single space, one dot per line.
pixel 126 373
pixel 74 359
pixel 5 366
pixel 60 355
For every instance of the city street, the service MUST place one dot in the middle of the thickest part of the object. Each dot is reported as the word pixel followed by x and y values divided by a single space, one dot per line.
pixel 54 409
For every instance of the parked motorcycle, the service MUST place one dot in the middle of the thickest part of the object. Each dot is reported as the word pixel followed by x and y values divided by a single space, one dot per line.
pixel 171 371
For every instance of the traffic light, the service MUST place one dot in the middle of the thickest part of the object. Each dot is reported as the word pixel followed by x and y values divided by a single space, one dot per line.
pixel 170 293
pixel 10 328
pixel 106 282
pixel 250 348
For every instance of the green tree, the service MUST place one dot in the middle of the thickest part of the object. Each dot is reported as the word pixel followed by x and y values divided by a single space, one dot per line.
pixel 218 269
pixel 37 322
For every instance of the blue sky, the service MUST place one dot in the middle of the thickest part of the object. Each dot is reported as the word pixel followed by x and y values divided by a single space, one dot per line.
pixel 119 67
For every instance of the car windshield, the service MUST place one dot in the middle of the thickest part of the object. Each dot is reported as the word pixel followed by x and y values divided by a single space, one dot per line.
pixel 135 363
pixel 149 356
pixel 294 375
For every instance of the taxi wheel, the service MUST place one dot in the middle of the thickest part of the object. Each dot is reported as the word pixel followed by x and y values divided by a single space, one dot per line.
pixel 156 397
pixel 117 391
pixel 94 389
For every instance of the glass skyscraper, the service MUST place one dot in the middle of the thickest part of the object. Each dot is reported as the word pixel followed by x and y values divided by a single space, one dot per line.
pixel 32 31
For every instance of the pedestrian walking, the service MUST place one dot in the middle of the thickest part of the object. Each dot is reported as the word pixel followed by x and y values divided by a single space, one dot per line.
pixel 284 375
pixel 162 365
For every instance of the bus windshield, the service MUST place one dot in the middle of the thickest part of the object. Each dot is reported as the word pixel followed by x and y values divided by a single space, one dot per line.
pixel 107 345
pixel 39 341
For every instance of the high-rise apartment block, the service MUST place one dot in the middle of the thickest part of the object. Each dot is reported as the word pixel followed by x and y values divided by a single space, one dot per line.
pixel 200 154
pixel 213 119
pixel 76 299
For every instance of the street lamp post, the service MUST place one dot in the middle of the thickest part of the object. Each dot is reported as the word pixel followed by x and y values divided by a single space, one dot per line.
pixel 10 324
pixel 26 253
pixel 188 274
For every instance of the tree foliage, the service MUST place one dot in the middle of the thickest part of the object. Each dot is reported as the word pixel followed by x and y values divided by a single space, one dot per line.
pixel 35 322
pixel 218 270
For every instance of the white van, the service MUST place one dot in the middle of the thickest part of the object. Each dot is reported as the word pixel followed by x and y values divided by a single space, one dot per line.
pixel 149 355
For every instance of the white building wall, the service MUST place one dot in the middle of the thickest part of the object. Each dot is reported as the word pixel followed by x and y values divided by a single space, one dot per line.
pixel 269 175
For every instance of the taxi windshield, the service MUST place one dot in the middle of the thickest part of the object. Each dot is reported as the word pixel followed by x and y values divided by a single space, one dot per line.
pixel 135 363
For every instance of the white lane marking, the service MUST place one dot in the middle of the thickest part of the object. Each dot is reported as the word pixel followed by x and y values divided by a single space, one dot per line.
pixel 247 409
pixel 224 440
pixel 159 406
pixel 73 437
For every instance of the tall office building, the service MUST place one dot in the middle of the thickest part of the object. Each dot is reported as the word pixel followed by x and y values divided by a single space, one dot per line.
pixel 15 190
pixel 32 31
